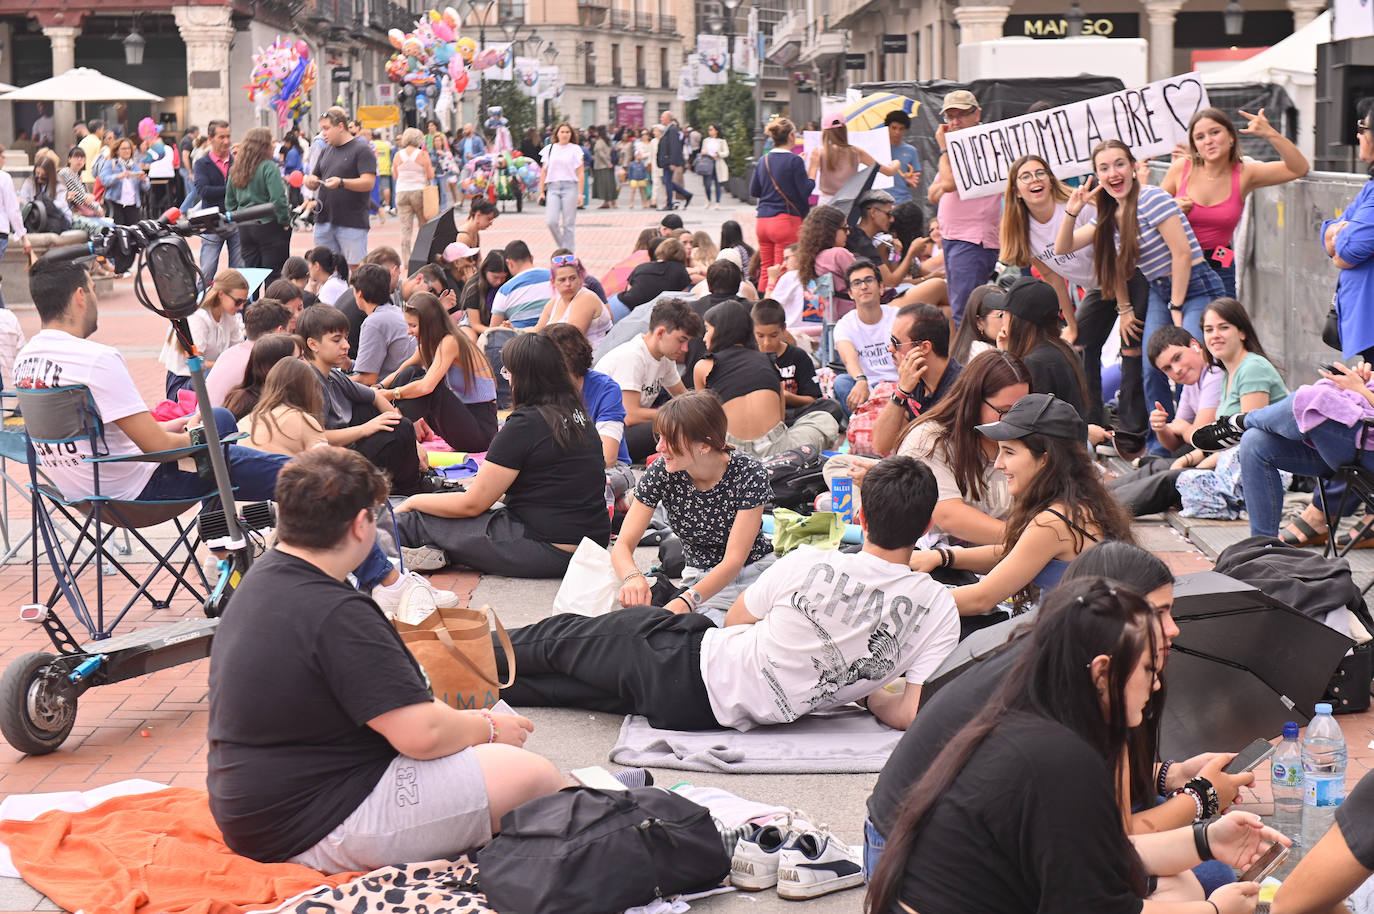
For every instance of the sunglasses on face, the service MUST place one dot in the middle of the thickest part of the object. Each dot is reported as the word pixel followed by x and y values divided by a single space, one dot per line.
pixel 897 344
pixel 1362 128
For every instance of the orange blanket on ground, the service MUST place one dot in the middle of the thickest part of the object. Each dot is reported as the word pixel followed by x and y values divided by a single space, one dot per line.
pixel 146 854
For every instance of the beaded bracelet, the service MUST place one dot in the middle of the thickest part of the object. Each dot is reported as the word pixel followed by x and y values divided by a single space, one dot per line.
pixel 1197 799
pixel 1161 782
pixel 495 732
pixel 633 574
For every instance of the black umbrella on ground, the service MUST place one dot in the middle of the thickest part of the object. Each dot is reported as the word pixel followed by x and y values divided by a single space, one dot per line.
pixel 846 199
pixel 1242 664
pixel 431 239
pixel 975 647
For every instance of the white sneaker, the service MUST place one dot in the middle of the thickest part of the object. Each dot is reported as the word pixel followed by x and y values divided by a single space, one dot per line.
pixel 816 863
pixel 422 558
pixel 754 864
pixel 412 598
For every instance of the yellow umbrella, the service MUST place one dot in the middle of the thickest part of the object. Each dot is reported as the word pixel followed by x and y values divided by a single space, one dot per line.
pixel 869 111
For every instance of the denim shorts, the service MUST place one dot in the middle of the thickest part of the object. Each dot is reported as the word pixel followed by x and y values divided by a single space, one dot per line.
pixel 342 239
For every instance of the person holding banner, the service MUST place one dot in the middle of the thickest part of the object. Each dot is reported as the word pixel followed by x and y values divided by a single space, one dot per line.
pixel 837 160
pixel 1140 226
pixel 970 227
pixel 1213 171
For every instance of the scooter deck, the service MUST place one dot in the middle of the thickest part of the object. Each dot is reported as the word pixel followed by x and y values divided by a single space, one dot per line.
pixel 146 650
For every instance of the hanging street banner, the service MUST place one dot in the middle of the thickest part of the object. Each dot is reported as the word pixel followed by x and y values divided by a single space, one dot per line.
pixel 688 88
pixel 504 69
pixel 1150 119
pixel 713 60
pixel 550 85
pixel 527 75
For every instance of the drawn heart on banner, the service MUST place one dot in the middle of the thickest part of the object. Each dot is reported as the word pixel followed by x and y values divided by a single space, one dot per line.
pixel 1186 95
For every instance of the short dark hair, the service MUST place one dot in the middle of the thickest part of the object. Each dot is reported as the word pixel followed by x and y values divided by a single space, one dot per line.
pixel 929 324
pixel 320 493
pixel 675 314
pixel 284 291
pixel 295 267
pixel 264 316
pixel 653 245
pixel 898 116
pixel 1163 338
pixel 52 283
pixel 519 251
pixel 861 264
pixel 433 274
pixel 694 417
pixel 315 323
pixel 335 115
pixel 481 205
pixel 372 283
pixel 723 278
pixel 730 326
pixel 768 313
pixel 214 125
pixel 899 496
pixel 577 351
pixel 908 222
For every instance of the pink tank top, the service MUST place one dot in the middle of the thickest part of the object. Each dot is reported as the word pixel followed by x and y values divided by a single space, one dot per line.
pixel 830 180
pixel 1214 225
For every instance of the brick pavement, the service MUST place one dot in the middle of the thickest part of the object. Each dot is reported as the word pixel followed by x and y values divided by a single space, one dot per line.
pixel 154 727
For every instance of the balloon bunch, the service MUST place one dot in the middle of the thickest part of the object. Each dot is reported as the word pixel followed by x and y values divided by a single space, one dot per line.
pixel 433 58
pixel 149 130
pixel 282 79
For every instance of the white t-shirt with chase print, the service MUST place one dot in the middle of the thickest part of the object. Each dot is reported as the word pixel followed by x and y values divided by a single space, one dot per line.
pixel 55 358
pixel 832 627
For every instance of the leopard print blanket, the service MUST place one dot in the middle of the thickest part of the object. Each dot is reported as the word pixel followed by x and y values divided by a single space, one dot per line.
pixel 435 887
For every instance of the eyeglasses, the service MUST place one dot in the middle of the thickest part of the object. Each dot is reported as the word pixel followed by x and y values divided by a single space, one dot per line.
pixel 376 511
pixel 865 281
pixel 845 229
pixel 1001 413
pixel 897 344
pixel 1362 128
pixel 1031 176
pixel 565 260
pixel 880 211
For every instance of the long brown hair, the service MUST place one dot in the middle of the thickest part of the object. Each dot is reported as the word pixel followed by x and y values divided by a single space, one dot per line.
pixel 293 384
pixel 1234 313
pixel 1024 336
pixel 817 233
pixel 834 144
pixel 45 173
pixel 1016 247
pixel 254 149
pixel 267 351
pixel 958 413
pixel 1113 267
pixel 1079 621
pixel 435 324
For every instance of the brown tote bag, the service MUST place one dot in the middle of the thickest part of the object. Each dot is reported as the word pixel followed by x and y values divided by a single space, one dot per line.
pixel 430 203
pixel 454 648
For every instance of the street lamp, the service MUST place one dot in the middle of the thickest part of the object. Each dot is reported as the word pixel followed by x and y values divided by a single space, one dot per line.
pixel 1233 18
pixel 550 58
pixel 134 44
pixel 1073 21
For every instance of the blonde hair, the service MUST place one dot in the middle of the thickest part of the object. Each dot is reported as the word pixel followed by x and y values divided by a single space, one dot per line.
pixel 412 137
pixel 225 281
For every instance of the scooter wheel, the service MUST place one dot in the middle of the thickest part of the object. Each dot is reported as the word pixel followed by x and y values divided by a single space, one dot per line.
pixel 37 704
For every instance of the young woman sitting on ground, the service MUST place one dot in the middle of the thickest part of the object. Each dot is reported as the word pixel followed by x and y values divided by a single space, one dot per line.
pixel 447 381
pixel 981 325
pixel 545 463
pixel 667 272
pixel 289 417
pixel 1031 332
pixel 267 351
pixel 215 327
pixel 1043 759
pixel 1059 507
pixel 480 291
pixel 714 496
pixel 573 303
pixel 751 390
pixel 821 250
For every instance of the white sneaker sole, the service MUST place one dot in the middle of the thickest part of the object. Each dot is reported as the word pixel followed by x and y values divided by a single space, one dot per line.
pixel 423 558
pixel 742 876
pixel 796 891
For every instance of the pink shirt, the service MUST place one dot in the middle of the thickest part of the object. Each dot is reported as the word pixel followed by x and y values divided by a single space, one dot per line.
pixel 221 164
pixel 228 371
pixel 976 221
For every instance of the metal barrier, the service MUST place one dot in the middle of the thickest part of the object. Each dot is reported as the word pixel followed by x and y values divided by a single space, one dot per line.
pixel 1287 281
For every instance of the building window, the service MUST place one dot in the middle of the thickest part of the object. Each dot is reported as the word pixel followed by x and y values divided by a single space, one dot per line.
pixel 664 76
pixel 511 11
pixel 615 64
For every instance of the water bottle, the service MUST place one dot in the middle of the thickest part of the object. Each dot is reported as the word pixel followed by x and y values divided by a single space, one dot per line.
pixel 610 503
pixel 1288 784
pixel 1323 766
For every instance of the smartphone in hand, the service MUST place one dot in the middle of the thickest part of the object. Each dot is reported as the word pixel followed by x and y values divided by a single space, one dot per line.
pixel 1250 757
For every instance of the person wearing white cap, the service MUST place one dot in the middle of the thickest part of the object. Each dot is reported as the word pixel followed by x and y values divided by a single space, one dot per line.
pixel 970 227
pixel 836 161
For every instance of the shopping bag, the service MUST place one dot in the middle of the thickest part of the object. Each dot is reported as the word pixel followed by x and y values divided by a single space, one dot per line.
pixel 823 529
pixel 454 648
pixel 430 202
pixel 590 586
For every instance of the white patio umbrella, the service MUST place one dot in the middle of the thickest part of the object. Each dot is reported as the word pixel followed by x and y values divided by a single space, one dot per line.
pixel 81 84
pixel 6 87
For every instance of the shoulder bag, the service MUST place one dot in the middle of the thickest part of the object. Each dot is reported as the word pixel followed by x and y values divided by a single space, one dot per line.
pixel 454 648
pixel 792 208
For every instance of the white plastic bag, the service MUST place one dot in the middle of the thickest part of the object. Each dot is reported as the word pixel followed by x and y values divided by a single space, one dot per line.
pixel 590 586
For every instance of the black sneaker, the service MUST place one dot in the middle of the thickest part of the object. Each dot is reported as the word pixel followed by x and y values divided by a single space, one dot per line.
pixel 1221 434
pixel 688 202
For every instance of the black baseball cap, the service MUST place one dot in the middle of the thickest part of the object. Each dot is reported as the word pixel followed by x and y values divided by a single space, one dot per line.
pixel 1038 414
pixel 671 221
pixel 1028 298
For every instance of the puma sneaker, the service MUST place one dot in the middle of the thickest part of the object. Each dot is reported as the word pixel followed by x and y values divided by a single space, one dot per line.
pixel 754 865
pixel 817 863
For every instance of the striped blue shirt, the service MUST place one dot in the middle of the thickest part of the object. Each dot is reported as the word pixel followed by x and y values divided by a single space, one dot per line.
pixel 522 298
pixel 1154 208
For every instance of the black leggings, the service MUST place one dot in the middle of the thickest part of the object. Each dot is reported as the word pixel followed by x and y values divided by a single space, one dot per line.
pixel 1096 316
pixel 640 660
pixel 266 245
pixel 465 426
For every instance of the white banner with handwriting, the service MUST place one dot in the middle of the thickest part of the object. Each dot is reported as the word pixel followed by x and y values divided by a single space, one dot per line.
pixel 1150 119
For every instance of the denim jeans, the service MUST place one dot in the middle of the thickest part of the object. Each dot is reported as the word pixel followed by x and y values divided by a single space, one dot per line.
pixel 844 383
pixel 210 246
pixel 4 245
pixel 874 844
pixel 343 239
pixel 967 266
pixel 1203 289
pixel 253 473
pixel 1272 442
pixel 707 183
pixel 560 212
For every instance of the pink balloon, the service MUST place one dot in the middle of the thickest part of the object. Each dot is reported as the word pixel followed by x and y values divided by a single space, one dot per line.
pixel 303 50
pixel 442 30
pixel 457 70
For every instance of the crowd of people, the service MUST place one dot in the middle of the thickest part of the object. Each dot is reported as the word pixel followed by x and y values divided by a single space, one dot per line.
pixel 969 386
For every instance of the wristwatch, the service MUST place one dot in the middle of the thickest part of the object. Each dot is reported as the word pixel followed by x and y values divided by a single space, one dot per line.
pixel 692 596
pixel 1174 307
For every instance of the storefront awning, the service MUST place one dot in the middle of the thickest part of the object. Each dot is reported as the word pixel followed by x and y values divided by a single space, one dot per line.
pixel 81 84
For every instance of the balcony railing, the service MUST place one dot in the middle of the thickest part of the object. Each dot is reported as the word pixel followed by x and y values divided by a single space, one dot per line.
pixel 642 78
pixel 643 22
pixel 615 75
pixel 667 24
pixel 620 19
pixel 665 79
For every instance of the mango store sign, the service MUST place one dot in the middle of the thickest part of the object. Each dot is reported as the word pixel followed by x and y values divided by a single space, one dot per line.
pixel 1150 119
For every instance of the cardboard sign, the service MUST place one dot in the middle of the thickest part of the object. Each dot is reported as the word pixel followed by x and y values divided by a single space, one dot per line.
pixel 1150 119
pixel 874 142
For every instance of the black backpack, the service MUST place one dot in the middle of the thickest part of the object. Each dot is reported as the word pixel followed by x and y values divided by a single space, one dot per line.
pixel 588 851
pixel 42 215
pixel 795 477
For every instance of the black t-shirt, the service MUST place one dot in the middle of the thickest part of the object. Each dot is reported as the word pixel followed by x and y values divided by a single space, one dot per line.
pixel 737 372
pixel 298 668
pixel 942 715
pixel 348 306
pixel 797 371
pixel 650 280
pixel 923 398
pixel 559 496
pixel 1030 824
pixel 1051 373
pixel 1356 818
pixel 696 346
pixel 349 208
pixel 862 246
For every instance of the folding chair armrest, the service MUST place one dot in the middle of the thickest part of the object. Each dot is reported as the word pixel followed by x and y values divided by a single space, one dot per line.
pixel 164 456
pixel 1362 436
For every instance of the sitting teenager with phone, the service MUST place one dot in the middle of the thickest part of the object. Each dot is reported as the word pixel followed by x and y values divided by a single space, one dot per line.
pixel 327 747
pixel 817 630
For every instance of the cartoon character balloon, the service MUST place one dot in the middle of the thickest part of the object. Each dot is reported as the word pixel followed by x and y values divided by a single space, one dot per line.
pixel 283 77
pixel 467 48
